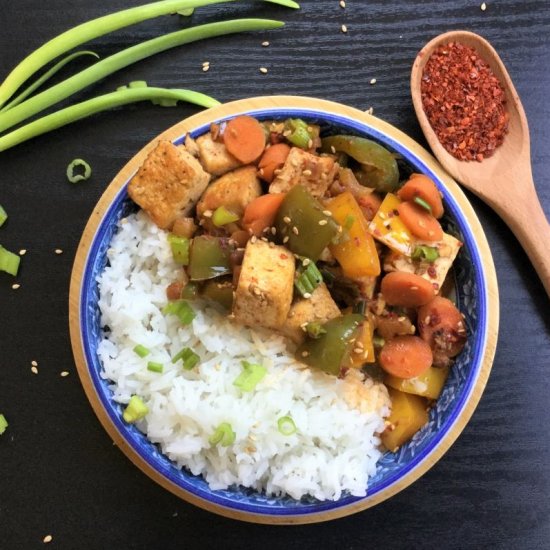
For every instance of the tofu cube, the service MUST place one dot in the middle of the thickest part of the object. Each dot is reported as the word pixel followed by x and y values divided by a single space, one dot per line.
pixel 315 173
pixel 264 290
pixel 213 155
pixel 168 183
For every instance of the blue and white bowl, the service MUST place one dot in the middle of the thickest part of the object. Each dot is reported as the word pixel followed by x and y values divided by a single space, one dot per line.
pixel 477 297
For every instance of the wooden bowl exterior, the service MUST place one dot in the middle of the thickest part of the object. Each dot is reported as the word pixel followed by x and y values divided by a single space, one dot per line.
pixel 231 109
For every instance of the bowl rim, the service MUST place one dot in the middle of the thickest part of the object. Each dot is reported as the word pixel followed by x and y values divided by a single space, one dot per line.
pixel 317 107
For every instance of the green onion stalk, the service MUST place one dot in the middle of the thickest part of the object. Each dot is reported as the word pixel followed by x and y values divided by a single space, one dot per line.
pixel 94 29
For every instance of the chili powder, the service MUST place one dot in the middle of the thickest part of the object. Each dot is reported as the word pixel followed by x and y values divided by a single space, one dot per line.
pixel 464 102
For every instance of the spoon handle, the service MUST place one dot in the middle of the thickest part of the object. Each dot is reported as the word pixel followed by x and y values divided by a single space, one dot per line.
pixel 524 215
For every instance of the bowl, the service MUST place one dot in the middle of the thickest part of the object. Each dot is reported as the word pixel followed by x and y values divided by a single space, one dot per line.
pixel 476 293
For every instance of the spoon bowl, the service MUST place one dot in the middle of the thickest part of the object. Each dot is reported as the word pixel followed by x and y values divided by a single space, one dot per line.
pixel 504 180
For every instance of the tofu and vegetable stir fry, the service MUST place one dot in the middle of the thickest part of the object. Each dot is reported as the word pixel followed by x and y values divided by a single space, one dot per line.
pixel 318 239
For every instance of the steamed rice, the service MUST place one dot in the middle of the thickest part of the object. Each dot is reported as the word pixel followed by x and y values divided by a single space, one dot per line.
pixel 335 446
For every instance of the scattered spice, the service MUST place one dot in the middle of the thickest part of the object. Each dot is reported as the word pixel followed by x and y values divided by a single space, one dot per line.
pixel 464 102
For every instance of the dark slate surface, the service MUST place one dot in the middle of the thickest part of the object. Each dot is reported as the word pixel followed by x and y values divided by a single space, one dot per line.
pixel 61 474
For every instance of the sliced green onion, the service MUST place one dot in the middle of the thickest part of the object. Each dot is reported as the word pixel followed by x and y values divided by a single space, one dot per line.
pixel 286 425
pixel 299 135
pixel 425 254
pixel 45 77
pixel 142 351
pixel 189 358
pixel 308 280
pixel 223 216
pixel 96 105
pixel 75 178
pixel 3 424
pixel 223 434
pixel 3 216
pixel 315 329
pixel 378 342
pixel 250 377
pixel 180 248
pixel 9 262
pixel 181 309
pixel 135 410
pixel 155 367
pixel 423 204
pixel 190 291
pixel 348 222
pixel 94 29
pixel 122 59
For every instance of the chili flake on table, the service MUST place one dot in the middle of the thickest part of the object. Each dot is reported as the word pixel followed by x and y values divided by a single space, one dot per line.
pixel 464 102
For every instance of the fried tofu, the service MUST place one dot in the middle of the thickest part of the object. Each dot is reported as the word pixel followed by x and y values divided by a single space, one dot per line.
pixel 320 307
pixel 213 155
pixel 435 272
pixel 315 173
pixel 233 190
pixel 265 286
pixel 168 183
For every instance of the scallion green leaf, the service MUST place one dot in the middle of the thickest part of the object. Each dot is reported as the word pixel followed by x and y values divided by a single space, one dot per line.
pixel 423 253
pixel 299 134
pixel 154 366
pixel 286 425
pixel 9 262
pixel 423 204
pixel 135 410
pixel 142 351
pixel 3 216
pixel 181 309
pixel 309 278
pixel 180 248
pixel 315 329
pixel 188 357
pixel 378 342
pixel 223 434
pixel 3 424
pixel 250 377
pixel 75 178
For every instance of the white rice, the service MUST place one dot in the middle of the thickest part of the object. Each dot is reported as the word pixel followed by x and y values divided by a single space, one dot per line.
pixel 335 446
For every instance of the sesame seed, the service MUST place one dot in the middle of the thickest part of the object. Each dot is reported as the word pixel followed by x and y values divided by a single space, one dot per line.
pixel 58 251
pixel 333 149
pixel 323 222
pixel 370 111
pixel 22 252
pixel 34 370
pixel 263 70
pixel 286 219
pixel 286 133
pixel 253 239
pixel 401 319
pixel 15 286
pixel 47 539
pixel 360 345
pixel 305 353
pixel 342 4
pixel 295 230
pixel 286 239
pixel 256 291
pixel 307 172
pixel 373 81
pixel 207 213
pixel 34 363
pixel 309 146
pixel 271 244
pixel 414 288
pixel 344 29
pixel 382 216
pixel 205 63
pixel 306 262
pixel 64 373
pixel 327 213
pixel 265 44
pixel 357 350
pixel 483 6
pixel 274 231
pixel 307 295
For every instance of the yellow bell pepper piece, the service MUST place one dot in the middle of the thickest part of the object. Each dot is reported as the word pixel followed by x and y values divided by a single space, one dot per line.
pixel 429 384
pixel 356 253
pixel 388 228
pixel 363 348
pixel 408 415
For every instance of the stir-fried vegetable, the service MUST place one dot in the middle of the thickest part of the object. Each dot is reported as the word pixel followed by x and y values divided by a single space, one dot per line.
pixel 286 425
pixel 142 351
pixel 209 257
pixel 428 384
pixel 3 216
pixel 301 134
pixel 219 292
pixel 180 248
pixel 423 253
pixel 188 357
pixel 9 262
pixel 3 424
pixel 154 366
pixel 222 216
pixel 377 163
pixel 135 410
pixel 181 309
pixel 250 377
pixel 223 434
pixel 309 278
pixel 302 224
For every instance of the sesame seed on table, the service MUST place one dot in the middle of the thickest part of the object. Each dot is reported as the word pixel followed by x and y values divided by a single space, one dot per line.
pixel 64 483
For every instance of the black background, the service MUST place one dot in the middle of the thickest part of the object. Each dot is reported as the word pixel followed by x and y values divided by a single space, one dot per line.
pixel 60 474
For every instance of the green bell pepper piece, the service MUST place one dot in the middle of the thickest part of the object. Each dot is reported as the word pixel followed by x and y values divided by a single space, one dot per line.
pixel 219 292
pixel 302 226
pixel 377 163
pixel 330 350
pixel 209 258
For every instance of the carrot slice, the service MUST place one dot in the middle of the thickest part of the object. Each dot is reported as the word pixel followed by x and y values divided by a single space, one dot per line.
pixel 422 187
pixel 260 213
pixel 406 356
pixel 420 222
pixel 406 289
pixel 273 158
pixel 441 325
pixel 244 138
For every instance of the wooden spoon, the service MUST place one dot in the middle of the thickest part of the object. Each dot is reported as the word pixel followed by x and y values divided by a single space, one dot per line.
pixel 504 181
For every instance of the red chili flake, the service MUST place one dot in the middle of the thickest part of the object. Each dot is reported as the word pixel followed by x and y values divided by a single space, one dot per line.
pixel 432 272
pixel 464 102
pixel 283 256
